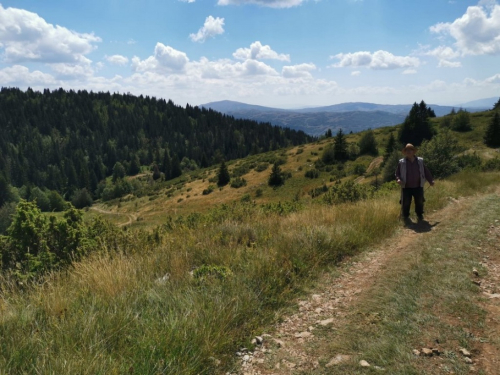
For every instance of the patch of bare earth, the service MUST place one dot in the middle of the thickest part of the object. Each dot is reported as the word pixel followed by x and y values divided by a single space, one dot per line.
pixel 286 350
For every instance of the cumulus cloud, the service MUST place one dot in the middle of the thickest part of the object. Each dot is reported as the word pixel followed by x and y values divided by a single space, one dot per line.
pixel 257 51
pixel 298 71
pixel 72 71
pixel 444 54
pixel 165 58
pixel 449 64
pixel 476 32
pixel 117 60
pixel 20 75
pixel 211 28
pixel 26 37
pixel 356 73
pixel 264 3
pixel 410 71
pixel 378 60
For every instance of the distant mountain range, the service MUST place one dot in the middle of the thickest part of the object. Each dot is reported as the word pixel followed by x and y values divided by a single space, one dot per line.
pixel 353 117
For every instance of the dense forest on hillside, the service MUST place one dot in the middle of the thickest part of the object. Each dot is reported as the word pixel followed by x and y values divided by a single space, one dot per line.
pixel 66 140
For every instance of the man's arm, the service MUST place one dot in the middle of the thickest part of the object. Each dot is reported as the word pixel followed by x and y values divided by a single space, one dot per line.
pixel 428 175
pixel 398 174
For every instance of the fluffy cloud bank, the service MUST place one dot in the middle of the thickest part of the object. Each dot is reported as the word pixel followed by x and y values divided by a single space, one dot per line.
pixel 117 60
pixel 26 37
pixel 476 32
pixel 377 60
pixel 259 52
pixel 165 59
pixel 211 28
pixel 264 3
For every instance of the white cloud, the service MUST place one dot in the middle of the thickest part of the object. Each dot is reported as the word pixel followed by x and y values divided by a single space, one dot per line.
pixel 20 75
pixel 298 71
pixel 257 51
pixel 165 58
pixel 25 36
pixel 449 64
pixel 444 54
pixel 188 1
pixel 476 32
pixel 356 73
pixel 493 80
pixel 211 28
pixel 72 71
pixel 409 71
pixel 264 3
pixel 117 60
pixel 377 60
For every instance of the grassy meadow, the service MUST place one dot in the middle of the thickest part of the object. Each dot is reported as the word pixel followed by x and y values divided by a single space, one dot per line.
pixel 195 276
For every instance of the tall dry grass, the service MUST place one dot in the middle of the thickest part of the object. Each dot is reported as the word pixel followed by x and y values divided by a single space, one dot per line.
pixel 113 313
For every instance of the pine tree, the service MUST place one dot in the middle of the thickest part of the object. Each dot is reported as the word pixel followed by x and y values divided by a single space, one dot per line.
pixel 176 167
pixel 416 126
pixel 340 148
pixel 492 136
pixel 497 105
pixel 276 177
pixel 223 176
pixel 390 147
pixel 156 172
pixel 368 144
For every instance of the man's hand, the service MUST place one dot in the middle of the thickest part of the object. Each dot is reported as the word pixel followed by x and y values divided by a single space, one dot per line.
pixel 400 182
pixel 432 183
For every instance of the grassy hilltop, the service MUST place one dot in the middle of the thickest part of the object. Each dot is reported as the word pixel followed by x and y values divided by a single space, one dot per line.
pixel 192 277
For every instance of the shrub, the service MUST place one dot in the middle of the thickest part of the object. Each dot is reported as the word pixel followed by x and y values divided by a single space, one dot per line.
pixel 349 191
pixel 259 192
pixel 246 198
pixel 461 122
pixel 82 199
pixel 439 154
pixel 208 190
pixel 57 203
pixel 36 243
pixel 390 165
pixel 207 273
pixel 316 192
pixel 261 167
pixel 358 169
pixel 312 173
pixel 7 212
pixel 471 161
pixel 238 182
pixel 491 165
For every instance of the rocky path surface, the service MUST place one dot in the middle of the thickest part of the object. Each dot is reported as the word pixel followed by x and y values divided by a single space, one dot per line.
pixel 286 350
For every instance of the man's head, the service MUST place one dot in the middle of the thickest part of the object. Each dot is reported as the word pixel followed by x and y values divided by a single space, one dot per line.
pixel 409 150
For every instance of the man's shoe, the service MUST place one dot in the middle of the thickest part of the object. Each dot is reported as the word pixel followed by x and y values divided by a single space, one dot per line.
pixel 407 221
pixel 420 217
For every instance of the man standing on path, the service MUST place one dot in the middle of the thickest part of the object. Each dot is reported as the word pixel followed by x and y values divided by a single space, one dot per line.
pixel 411 175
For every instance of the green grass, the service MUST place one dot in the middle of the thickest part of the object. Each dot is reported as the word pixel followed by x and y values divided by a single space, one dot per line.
pixel 425 298
pixel 109 314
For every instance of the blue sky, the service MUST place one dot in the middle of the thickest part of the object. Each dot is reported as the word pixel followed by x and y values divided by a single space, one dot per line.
pixel 280 53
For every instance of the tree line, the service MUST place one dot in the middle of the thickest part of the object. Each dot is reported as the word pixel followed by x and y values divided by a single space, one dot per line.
pixel 66 141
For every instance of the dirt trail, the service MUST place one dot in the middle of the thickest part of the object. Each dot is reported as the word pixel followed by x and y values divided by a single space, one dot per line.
pixel 286 350
pixel 130 217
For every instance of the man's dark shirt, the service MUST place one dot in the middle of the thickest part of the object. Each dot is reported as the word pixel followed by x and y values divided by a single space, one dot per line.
pixel 413 173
